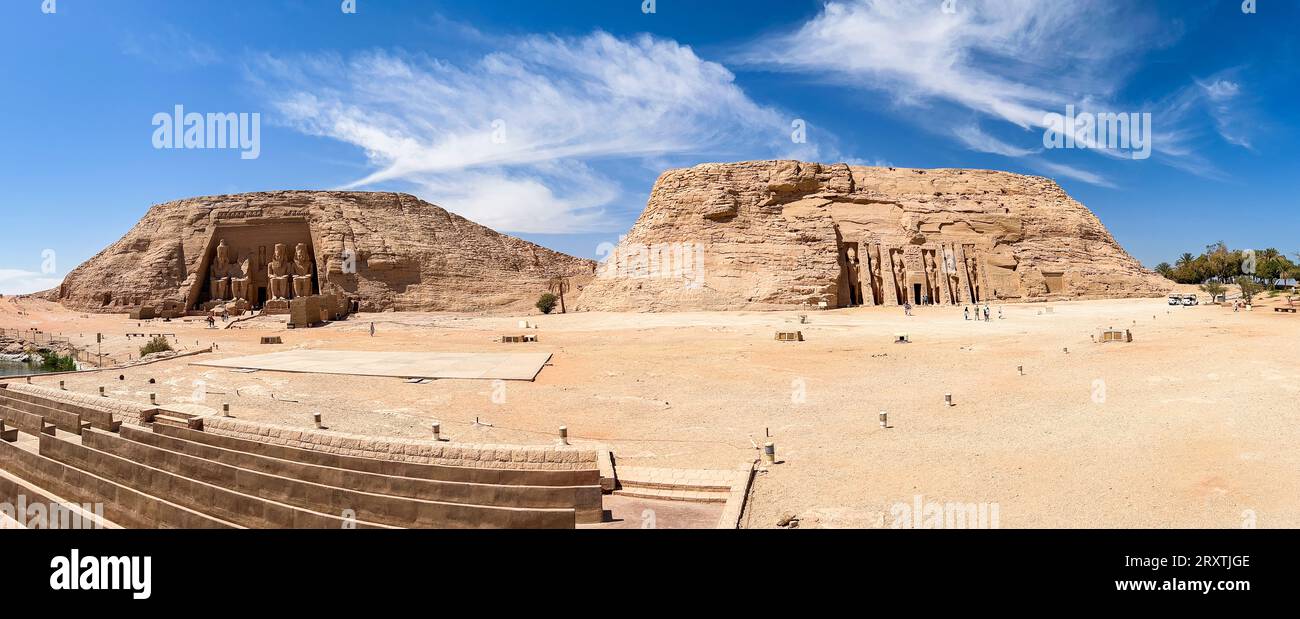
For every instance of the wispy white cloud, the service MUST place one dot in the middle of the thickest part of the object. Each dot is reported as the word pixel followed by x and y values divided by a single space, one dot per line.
pixel 1008 61
pixel 18 281
pixel 169 47
pixel 1060 169
pixel 1223 98
pixel 975 139
pixel 514 138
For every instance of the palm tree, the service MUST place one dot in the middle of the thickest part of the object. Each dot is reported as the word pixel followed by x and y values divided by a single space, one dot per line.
pixel 558 286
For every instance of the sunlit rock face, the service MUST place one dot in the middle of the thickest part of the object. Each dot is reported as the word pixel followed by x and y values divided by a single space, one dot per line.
pixel 780 234
pixel 387 251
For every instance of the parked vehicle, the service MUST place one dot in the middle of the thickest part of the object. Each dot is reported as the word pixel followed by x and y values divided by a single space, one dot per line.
pixel 1190 299
pixel 1175 299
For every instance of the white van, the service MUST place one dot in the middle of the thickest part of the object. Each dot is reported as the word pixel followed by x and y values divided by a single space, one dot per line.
pixel 1190 299
pixel 1175 299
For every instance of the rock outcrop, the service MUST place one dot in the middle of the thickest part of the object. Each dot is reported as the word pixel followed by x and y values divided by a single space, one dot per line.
pixel 387 251
pixel 776 234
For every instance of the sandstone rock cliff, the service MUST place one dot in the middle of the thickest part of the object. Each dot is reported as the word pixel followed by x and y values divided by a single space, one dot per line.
pixel 772 234
pixel 385 250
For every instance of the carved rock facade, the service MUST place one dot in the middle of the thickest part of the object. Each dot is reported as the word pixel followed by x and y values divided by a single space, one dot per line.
pixel 383 250
pixel 775 234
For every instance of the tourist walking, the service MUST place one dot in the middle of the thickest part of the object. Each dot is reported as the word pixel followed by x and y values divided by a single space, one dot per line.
pixel 907 308
pixel 965 310
pixel 372 329
pixel 986 313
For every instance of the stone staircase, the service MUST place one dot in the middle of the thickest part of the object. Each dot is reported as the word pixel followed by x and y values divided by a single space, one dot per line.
pixel 163 470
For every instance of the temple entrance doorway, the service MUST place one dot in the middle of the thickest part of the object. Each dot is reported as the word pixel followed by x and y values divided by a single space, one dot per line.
pixel 916 294
pixel 251 245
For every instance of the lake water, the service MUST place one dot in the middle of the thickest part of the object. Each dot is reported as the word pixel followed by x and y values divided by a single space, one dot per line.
pixel 11 368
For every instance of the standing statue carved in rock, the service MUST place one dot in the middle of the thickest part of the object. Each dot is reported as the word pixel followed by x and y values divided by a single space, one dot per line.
pixel 302 271
pixel 931 277
pixel 219 273
pixel 278 272
pixel 853 275
pixel 952 275
pixel 877 277
pixel 972 272
pixel 900 276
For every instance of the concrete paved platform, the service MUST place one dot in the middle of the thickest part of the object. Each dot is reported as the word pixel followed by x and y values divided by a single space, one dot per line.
pixel 490 366
pixel 627 512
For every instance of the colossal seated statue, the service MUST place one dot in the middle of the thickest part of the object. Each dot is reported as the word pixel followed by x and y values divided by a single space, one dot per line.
pixel 302 271
pixel 239 280
pixel 219 273
pixel 278 272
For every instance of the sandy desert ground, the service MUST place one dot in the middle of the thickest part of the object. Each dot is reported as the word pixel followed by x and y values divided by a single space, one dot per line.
pixel 1193 424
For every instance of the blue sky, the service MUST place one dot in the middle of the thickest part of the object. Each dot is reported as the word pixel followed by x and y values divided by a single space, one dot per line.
pixel 551 120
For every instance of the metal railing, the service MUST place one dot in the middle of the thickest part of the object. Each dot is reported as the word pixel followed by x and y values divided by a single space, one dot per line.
pixel 37 337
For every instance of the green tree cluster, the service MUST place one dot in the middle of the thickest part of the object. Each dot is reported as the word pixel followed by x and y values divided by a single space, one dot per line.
pixel 1266 267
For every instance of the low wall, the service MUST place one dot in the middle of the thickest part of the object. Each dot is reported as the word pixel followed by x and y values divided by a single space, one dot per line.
pixel 375 498
pixel 222 503
pixel 409 450
pixel 34 403
pixel 252 445
pixel 122 410
pixel 123 506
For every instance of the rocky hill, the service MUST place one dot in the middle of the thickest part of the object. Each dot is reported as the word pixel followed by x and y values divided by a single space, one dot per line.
pixel 385 250
pixel 774 234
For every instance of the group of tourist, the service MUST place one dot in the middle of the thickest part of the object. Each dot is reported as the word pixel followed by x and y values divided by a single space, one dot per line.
pixel 907 311
pixel 966 312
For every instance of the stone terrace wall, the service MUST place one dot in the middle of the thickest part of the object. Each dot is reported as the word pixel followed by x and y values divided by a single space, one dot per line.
pixel 408 450
pixel 124 411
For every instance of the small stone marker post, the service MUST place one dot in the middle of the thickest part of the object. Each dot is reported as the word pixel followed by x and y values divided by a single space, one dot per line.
pixel 564 435
pixel 884 419
pixel 315 417
pixel 769 453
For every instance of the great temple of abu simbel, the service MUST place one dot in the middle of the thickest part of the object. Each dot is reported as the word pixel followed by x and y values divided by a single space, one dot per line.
pixel 259 251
